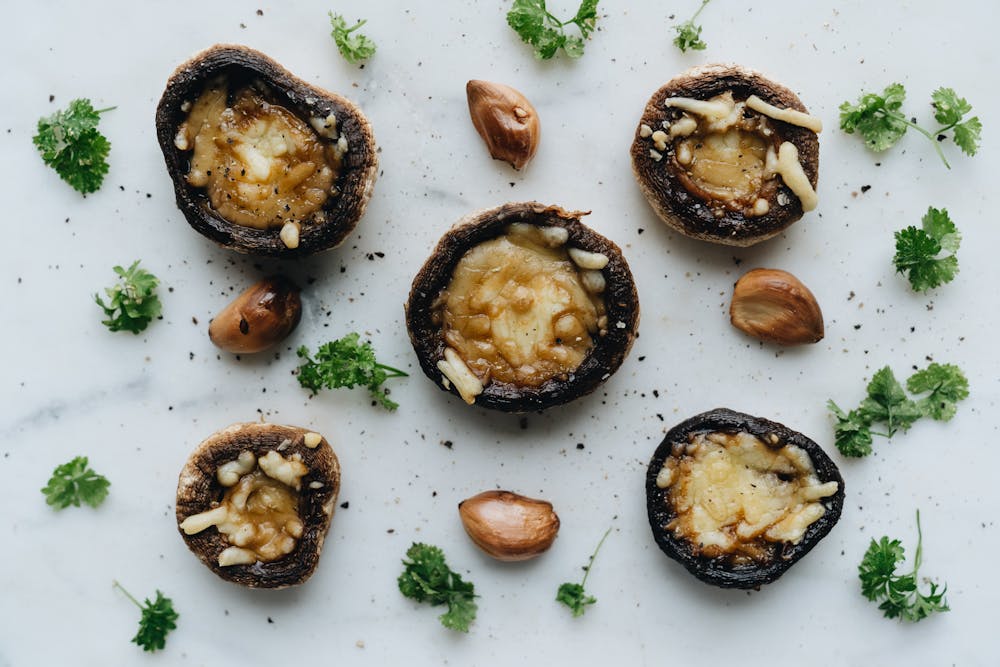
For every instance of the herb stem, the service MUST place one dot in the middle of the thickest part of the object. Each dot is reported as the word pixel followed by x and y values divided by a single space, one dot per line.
pixel 115 584
pixel 695 17
pixel 100 111
pixel 930 137
pixel 590 563
pixel 918 555
pixel 393 372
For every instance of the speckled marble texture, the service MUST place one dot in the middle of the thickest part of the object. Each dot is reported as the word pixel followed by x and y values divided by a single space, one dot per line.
pixel 137 405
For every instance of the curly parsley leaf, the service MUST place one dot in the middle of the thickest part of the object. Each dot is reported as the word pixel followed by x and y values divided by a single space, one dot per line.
pixel 918 251
pixel 947 386
pixel 354 48
pixel 689 33
pixel 157 620
pixel 347 363
pixel 75 482
pixel 69 142
pixel 887 402
pixel 898 594
pixel 575 596
pixel 427 578
pixel 537 27
pixel 132 303
pixel 852 434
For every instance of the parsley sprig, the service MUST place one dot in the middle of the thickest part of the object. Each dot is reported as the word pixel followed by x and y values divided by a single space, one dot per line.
pixel 70 143
pixel 897 593
pixel 689 33
pixel 132 303
pixel 157 620
pixel 574 595
pixel 918 250
pixel 346 363
pixel 75 482
pixel 887 403
pixel 427 578
pixel 354 48
pixel 879 120
pixel 537 27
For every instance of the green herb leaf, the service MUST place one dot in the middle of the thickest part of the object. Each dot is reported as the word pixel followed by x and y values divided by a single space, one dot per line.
pixel 73 483
pixel 347 363
pixel 918 251
pixel 876 117
pixel 947 386
pixel 69 142
pixel 537 27
pixel 573 595
pixel 157 620
pixel 689 33
pixel 354 48
pixel 132 303
pixel 897 593
pixel 427 578
pixel 852 435
pixel 887 402
pixel 880 121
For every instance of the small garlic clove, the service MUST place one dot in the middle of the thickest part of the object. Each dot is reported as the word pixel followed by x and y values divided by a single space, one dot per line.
pixel 774 306
pixel 509 526
pixel 506 121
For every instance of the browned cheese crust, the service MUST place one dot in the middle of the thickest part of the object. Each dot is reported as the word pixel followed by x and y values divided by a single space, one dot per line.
pixel 686 212
pixel 621 302
pixel 198 490
pixel 339 215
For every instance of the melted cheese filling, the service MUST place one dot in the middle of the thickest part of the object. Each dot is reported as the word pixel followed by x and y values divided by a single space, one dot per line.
pixel 260 165
pixel 730 158
pixel 259 513
pixel 521 308
pixel 735 496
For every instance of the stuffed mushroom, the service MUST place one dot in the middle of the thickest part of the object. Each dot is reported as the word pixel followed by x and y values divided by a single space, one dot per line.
pixel 522 307
pixel 262 162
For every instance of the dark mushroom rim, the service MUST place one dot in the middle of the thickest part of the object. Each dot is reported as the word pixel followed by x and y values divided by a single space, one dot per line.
pixel 338 216
pixel 620 298
pixel 689 209
pixel 315 505
pixel 721 571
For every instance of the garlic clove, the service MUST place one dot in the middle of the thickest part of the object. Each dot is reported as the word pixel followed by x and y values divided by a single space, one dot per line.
pixel 506 121
pixel 509 526
pixel 775 306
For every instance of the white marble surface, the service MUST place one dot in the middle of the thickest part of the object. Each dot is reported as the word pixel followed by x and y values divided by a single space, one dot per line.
pixel 137 405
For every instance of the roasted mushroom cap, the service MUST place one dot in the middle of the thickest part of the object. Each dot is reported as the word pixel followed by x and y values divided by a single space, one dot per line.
pixel 737 500
pixel 262 162
pixel 522 307
pixel 725 155
pixel 254 503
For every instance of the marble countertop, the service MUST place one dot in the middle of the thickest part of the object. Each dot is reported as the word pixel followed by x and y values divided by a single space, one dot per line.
pixel 137 405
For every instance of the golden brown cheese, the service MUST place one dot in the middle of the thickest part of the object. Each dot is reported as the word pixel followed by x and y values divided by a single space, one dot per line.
pixel 261 165
pixel 522 308
pixel 734 495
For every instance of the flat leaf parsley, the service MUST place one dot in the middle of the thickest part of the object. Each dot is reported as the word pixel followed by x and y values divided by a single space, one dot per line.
pixel 132 303
pixel 897 593
pixel 918 251
pixel 887 403
pixel 427 578
pixel 75 482
pixel 354 48
pixel 70 143
pixel 157 620
pixel 689 33
pixel 537 27
pixel 880 121
pixel 575 596
pixel 345 363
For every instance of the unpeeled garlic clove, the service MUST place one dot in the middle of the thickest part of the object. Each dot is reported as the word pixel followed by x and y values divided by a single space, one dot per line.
pixel 506 121
pixel 774 306
pixel 263 315
pixel 508 526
